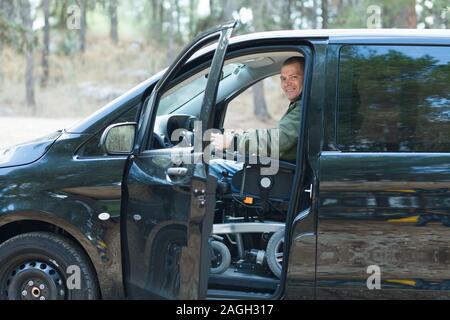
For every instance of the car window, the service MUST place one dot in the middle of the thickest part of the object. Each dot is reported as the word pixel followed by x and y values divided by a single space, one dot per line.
pixel 240 114
pixel 92 147
pixel 187 90
pixel 394 99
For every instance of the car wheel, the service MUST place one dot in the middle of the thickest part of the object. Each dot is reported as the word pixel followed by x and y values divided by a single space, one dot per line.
pixel 274 253
pixel 42 266
pixel 164 268
pixel 221 259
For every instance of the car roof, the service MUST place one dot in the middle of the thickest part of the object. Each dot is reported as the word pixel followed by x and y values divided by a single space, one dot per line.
pixel 355 36
pixel 334 34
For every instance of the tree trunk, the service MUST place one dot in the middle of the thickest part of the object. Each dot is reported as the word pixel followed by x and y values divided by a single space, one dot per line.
pixel 411 16
pixel 212 8
pixel 31 102
pixel 83 25
pixel 324 14
pixel 404 17
pixel 61 12
pixel 302 14
pixel 154 5
pixel 160 29
pixel 286 18
pixel 155 23
pixel 2 8
pixel 228 10
pixel 46 44
pixel 7 8
pixel 312 14
pixel 192 10
pixel 2 78
pixel 25 13
pixel 114 32
pixel 259 100
pixel 179 36
pixel 171 33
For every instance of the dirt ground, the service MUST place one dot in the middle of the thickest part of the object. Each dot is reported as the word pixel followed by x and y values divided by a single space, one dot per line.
pixel 16 130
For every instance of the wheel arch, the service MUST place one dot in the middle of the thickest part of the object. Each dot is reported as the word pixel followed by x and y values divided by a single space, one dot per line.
pixel 26 222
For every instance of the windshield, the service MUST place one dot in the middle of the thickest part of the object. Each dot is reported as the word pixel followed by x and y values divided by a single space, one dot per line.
pixel 187 90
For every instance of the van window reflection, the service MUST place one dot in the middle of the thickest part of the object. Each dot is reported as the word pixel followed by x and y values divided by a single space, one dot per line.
pixel 394 99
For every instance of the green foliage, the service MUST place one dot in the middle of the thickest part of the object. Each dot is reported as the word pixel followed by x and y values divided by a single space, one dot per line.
pixel 438 16
pixel 13 33
pixel 69 45
pixel 418 95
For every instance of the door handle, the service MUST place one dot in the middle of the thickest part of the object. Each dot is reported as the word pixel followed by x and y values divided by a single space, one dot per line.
pixel 177 172
pixel 310 190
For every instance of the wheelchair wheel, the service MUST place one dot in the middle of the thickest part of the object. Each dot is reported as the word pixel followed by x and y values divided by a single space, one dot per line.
pixel 221 259
pixel 274 253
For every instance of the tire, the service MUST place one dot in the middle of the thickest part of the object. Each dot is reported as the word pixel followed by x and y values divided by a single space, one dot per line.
pixel 163 276
pixel 274 253
pixel 223 255
pixel 34 266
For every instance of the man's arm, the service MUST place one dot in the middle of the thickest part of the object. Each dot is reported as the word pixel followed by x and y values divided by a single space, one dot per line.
pixel 265 141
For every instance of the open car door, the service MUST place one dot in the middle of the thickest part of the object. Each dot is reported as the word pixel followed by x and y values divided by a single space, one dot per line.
pixel 168 207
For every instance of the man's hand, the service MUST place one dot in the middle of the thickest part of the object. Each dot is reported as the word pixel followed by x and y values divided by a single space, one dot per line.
pixel 220 141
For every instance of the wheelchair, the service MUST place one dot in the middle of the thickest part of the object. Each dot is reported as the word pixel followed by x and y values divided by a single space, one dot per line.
pixel 249 224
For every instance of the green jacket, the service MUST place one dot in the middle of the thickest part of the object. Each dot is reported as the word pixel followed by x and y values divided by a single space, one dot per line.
pixel 285 136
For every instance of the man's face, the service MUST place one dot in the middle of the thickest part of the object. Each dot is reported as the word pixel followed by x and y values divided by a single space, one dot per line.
pixel 292 80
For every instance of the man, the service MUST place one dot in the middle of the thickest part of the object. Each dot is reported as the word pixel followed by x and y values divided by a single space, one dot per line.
pixel 286 133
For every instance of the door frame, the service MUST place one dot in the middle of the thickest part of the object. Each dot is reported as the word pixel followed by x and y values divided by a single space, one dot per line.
pixel 194 258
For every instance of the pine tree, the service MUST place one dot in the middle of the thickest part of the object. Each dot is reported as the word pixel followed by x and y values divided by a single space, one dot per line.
pixel 25 14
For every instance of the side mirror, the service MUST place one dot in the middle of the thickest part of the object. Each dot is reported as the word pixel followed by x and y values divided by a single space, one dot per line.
pixel 118 139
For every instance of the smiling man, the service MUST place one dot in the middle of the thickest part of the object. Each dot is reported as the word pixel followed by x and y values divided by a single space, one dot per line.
pixel 285 136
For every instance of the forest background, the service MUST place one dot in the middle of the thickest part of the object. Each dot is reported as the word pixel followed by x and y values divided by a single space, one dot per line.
pixel 61 60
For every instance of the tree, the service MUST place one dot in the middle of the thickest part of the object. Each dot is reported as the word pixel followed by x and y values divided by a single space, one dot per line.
pixel 411 16
pixel 434 14
pixel 60 13
pixel 2 80
pixel 179 36
pixel 25 14
pixel 287 15
pixel 259 100
pixel 171 33
pixel 9 31
pixel 192 9
pixel 83 24
pixel 114 30
pixel 46 44
pixel 324 14
pixel 161 19
pixel 2 20
pixel 218 14
pixel 400 15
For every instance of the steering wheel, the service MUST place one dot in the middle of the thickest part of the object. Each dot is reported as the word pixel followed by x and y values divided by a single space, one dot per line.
pixel 188 132
pixel 190 123
pixel 158 141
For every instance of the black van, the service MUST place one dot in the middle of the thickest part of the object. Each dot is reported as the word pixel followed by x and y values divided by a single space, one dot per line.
pixel 104 210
